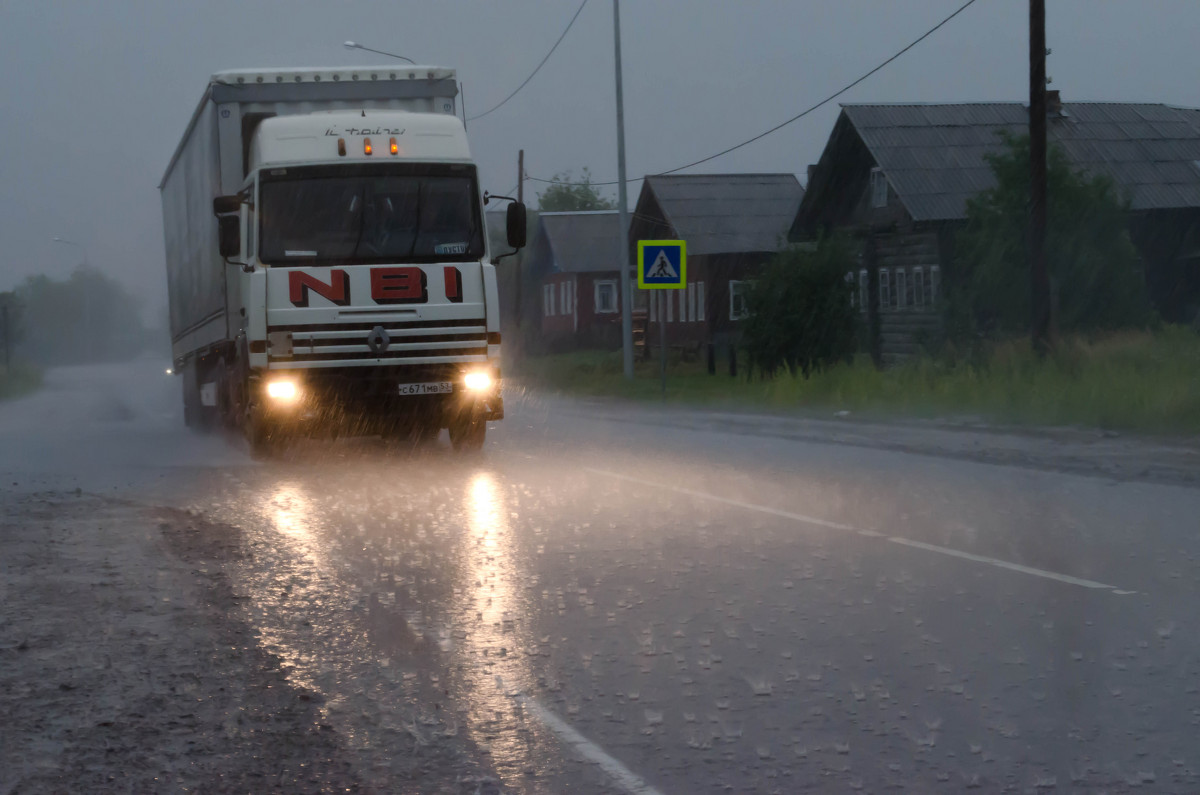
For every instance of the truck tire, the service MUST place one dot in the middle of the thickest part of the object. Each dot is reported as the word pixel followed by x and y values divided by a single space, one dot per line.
pixel 191 396
pixel 468 432
pixel 264 436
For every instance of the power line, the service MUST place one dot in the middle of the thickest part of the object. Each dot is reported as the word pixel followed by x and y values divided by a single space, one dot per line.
pixel 539 66
pixel 799 115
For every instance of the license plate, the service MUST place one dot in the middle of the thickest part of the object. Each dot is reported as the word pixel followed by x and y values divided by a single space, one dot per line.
pixel 439 388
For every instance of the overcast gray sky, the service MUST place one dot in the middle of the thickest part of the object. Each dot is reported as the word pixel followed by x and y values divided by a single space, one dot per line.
pixel 96 94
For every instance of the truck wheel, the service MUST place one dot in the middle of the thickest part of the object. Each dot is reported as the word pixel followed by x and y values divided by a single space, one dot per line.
pixel 264 436
pixel 226 403
pixel 191 396
pixel 467 433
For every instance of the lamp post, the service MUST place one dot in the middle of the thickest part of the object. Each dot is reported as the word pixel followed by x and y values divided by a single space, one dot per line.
pixel 354 45
pixel 87 298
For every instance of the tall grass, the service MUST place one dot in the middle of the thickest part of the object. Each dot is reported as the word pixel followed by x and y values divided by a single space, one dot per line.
pixel 1146 381
pixel 18 379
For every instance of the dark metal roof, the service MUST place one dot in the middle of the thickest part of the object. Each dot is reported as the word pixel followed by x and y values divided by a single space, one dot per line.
pixel 728 213
pixel 933 154
pixel 582 242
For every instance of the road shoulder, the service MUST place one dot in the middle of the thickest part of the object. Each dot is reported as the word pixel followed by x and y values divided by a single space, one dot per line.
pixel 1082 451
pixel 124 668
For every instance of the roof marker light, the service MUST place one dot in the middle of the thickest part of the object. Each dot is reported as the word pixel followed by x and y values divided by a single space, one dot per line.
pixel 342 147
pixel 395 148
pixel 367 149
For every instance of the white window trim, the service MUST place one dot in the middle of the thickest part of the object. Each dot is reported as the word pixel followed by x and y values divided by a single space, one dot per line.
pixel 734 315
pixel 596 298
pixel 878 180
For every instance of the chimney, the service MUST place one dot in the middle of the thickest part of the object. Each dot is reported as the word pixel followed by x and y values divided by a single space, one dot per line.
pixel 1054 108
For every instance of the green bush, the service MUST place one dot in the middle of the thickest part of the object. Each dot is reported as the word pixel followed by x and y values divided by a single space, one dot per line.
pixel 800 312
pixel 1094 268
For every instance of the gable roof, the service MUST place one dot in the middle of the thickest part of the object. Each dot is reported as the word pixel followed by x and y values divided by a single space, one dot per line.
pixel 727 213
pixel 933 155
pixel 582 242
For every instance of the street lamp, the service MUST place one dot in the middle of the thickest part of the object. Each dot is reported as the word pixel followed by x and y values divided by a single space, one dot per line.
pixel 354 45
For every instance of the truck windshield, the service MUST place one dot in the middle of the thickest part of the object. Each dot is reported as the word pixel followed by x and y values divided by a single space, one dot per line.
pixel 365 214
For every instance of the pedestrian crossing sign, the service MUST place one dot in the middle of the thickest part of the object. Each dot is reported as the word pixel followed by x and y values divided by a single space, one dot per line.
pixel 662 264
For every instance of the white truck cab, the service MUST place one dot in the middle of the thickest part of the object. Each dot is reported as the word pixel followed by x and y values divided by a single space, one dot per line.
pixel 358 292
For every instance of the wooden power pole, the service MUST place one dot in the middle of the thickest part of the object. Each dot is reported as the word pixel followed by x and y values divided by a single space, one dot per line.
pixel 520 260
pixel 1038 275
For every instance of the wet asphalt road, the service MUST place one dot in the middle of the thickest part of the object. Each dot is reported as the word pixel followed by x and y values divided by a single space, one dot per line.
pixel 599 603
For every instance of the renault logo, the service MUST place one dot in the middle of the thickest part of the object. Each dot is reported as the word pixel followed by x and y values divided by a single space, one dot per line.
pixel 378 340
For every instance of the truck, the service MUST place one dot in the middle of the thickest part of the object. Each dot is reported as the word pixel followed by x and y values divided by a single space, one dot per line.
pixel 328 265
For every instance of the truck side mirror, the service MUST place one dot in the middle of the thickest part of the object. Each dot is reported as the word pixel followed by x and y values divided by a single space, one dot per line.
pixel 514 222
pixel 224 205
pixel 229 235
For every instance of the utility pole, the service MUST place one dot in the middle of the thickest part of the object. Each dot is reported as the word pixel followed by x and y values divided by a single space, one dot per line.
pixel 1039 278
pixel 623 206
pixel 520 263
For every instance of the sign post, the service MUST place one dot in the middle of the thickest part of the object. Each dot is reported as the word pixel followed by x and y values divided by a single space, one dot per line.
pixel 662 265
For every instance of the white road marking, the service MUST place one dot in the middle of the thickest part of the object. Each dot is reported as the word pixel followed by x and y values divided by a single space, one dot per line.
pixel 799 517
pixel 624 778
pixel 1004 564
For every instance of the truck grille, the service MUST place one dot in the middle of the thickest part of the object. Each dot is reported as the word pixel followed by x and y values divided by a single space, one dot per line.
pixel 413 342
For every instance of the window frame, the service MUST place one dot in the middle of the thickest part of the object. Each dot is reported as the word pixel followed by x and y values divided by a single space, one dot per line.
pixel 596 289
pixel 739 292
pixel 879 188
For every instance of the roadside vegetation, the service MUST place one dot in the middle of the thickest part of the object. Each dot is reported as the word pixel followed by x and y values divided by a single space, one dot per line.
pixel 1131 380
pixel 18 379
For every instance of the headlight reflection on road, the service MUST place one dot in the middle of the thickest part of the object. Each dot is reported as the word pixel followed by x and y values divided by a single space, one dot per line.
pixel 490 614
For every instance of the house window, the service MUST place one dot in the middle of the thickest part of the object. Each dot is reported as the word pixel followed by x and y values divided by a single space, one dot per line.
pixel 935 284
pixel 853 292
pixel 885 288
pixel 879 188
pixel 691 296
pixel 737 300
pixel 901 289
pixel 606 297
pixel 683 313
pixel 565 293
pixel 918 287
pixel 548 299
pixel 700 301
pixel 864 291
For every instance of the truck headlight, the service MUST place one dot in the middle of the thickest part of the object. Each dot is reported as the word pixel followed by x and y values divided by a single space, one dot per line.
pixel 477 381
pixel 283 391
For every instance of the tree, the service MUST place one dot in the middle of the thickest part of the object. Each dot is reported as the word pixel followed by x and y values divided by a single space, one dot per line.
pixel 800 311
pixel 567 194
pixel 87 317
pixel 1094 268
pixel 10 325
